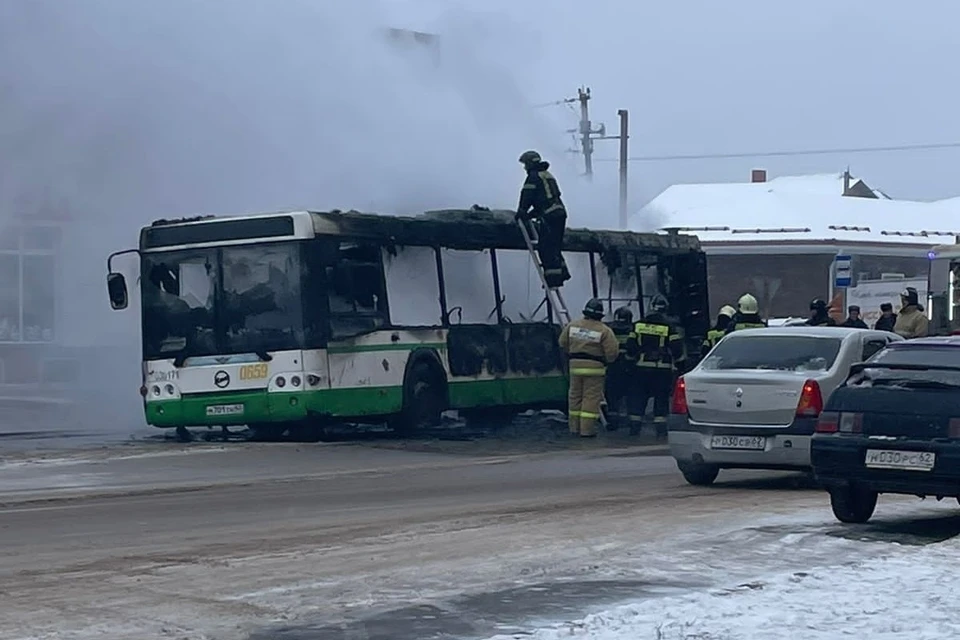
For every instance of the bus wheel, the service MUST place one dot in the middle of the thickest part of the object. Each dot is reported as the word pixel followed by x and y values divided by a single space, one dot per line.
pixel 424 399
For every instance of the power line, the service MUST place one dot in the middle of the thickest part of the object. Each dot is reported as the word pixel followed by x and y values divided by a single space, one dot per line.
pixel 789 153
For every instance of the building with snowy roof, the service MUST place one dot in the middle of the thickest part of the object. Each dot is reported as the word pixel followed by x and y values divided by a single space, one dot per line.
pixel 779 239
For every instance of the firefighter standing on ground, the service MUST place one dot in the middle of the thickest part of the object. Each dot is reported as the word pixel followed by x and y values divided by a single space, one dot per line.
pixel 911 321
pixel 591 346
pixel 657 347
pixel 748 315
pixel 621 376
pixel 540 201
pixel 719 329
pixel 819 316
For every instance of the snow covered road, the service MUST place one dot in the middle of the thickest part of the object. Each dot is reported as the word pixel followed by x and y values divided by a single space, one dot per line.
pixel 900 592
pixel 349 543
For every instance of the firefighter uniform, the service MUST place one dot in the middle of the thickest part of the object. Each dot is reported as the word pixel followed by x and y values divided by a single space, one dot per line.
pixel 540 201
pixel 658 347
pixel 724 318
pixel 621 375
pixel 590 346
pixel 747 315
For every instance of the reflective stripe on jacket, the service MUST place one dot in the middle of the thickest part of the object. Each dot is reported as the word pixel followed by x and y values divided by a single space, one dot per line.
pixel 657 343
pixel 713 337
pixel 590 345
pixel 540 194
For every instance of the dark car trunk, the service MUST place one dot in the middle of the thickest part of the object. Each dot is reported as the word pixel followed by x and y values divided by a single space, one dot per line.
pixel 900 412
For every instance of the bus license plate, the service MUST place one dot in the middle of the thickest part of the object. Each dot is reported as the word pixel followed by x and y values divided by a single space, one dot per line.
pixel 224 410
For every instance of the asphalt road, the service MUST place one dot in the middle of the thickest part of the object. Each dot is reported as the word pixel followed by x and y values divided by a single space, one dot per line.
pixel 331 542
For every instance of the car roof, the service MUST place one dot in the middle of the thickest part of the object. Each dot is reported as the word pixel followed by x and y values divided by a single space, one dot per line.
pixel 933 341
pixel 818 332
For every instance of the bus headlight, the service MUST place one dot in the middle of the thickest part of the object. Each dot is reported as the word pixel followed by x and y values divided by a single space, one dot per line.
pixel 281 382
pixel 169 389
pixel 295 381
pixel 156 390
pixel 313 380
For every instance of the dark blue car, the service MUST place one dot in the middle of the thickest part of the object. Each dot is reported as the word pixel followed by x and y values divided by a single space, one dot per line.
pixel 892 427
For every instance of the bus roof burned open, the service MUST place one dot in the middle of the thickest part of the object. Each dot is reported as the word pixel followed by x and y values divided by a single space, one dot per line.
pixel 463 229
pixel 623 268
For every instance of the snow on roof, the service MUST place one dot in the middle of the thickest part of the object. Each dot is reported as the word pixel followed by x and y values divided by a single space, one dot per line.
pixel 799 208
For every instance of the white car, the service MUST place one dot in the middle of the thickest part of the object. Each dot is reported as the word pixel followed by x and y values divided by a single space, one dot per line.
pixel 753 402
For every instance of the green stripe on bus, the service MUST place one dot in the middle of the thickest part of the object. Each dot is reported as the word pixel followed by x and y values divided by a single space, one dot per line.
pixel 368 348
pixel 260 406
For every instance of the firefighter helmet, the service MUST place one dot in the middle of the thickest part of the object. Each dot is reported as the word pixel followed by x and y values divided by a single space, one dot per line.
pixel 659 304
pixel 530 157
pixel 728 311
pixel 623 314
pixel 593 309
pixel 748 304
pixel 909 296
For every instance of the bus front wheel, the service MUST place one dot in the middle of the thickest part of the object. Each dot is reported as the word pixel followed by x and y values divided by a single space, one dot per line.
pixel 424 398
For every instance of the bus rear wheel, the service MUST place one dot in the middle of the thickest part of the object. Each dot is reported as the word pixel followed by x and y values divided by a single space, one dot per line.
pixel 424 399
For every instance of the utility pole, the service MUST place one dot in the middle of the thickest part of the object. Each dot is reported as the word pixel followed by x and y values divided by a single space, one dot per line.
pixel 588 134
pixel 624 153
pixel 586 130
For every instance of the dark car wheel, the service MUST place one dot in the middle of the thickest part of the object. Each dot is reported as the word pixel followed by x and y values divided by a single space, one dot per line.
pixel 698 473
pixel 853 504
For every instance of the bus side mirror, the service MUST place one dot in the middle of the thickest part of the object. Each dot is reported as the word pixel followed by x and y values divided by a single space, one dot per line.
pixel 117 290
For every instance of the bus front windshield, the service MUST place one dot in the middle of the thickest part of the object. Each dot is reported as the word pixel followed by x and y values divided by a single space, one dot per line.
pixel 229 300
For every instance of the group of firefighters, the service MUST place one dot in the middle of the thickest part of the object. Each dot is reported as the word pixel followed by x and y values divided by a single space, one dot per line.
pixel 625 363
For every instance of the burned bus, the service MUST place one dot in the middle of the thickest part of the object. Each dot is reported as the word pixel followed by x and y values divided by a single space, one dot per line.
pixel 288 322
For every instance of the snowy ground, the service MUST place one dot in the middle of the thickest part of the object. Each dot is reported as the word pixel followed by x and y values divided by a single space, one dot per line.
pixel 904 592
pixel 345 542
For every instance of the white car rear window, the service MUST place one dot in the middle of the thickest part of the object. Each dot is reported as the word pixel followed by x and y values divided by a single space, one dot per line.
pixel 776 353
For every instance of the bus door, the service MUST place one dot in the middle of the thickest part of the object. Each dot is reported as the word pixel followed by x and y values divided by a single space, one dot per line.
pixel 684 280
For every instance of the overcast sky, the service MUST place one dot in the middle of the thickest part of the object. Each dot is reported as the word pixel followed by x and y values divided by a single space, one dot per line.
pixel 237 105
pixel 749 75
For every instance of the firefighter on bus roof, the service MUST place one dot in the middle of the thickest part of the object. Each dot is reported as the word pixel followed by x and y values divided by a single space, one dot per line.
pixel 540 202
pixel 590 346
pixel 658 348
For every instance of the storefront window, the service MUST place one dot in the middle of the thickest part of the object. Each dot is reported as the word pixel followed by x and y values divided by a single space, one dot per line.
pixel 27 283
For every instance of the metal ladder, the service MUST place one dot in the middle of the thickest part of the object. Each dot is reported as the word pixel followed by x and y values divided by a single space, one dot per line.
pixel 553 295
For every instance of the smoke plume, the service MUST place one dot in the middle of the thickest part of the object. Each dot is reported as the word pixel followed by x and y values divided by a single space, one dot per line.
pixel 118 113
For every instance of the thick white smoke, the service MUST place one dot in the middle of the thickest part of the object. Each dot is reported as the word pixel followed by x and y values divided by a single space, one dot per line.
pixel 118 113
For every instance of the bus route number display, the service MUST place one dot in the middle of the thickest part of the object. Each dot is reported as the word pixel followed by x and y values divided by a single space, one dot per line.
pixel 253 371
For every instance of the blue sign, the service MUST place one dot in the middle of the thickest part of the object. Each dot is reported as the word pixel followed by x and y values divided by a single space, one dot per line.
pixel 843 271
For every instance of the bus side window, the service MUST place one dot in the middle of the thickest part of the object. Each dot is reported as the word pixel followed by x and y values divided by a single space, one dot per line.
pixel 358 302
pixel 468 282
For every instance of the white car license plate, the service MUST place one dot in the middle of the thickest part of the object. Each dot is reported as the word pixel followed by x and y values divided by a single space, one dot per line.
pixel 911 460
pixel 750 443
pixel 224 410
